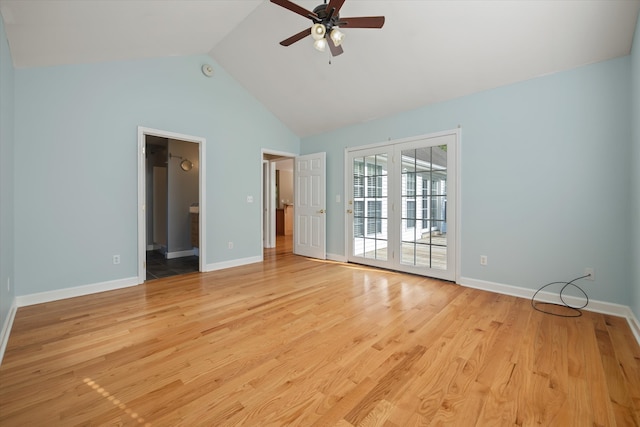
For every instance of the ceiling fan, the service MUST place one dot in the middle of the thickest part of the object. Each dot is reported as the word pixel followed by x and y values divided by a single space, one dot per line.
pixel 326 22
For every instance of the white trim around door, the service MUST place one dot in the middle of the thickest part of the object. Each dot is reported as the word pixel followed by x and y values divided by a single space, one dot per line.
pixel 269 201
pixel 142 218
pixel 403 205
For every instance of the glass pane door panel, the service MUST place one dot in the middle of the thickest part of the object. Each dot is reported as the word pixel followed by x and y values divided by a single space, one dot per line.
pixel 438 257
pixel 424 199
pixel 370 206
pixel 417 254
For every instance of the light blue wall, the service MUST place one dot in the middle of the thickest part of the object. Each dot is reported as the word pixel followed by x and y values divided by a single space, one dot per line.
pixel 544 177
pixel 635 121
pixel 6 177
pixel 545 170
pixel 76 170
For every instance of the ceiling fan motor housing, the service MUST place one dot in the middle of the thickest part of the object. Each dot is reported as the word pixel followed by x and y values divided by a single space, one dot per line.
pixel 329 20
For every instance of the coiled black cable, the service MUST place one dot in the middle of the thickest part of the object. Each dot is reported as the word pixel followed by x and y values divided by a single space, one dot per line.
pixel 576 311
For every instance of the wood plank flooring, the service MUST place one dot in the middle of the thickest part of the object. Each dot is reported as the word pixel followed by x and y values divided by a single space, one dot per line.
pixel 294 341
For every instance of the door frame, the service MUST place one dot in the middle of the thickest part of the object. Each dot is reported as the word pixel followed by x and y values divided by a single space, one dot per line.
pixel 143 132
pixel 268 186
pixel 458 197
pixel 268 228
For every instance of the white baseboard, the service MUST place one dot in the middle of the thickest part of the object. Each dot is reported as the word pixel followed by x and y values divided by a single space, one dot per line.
pixel 594 305
pixel 180 254
pixel 58 294
pixel 634 324
pixel 336 257
pixel 232 263
pixel 6 328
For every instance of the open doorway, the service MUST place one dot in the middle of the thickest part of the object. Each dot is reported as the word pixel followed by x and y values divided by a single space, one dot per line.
pixel 170 193
pixel 284 197
pixel 172 207
pixel 277 200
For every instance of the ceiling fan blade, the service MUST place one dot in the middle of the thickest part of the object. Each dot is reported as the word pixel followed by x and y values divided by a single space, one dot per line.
pixel 333 8
pixel 296 9
pixel 294 38
pixel 362 22
pixel 335 50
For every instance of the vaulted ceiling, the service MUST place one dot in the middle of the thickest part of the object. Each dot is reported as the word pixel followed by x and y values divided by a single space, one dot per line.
pixel 428 51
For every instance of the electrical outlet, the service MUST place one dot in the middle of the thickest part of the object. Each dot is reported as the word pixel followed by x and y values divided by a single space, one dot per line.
pixel 116 259
pixel 590 272
pixel 230 245
pixel 483 260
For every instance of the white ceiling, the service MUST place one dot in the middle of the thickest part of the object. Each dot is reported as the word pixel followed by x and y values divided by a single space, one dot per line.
pixel 428 51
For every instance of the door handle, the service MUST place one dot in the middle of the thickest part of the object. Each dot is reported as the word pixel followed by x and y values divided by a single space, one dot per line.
pixel 321 211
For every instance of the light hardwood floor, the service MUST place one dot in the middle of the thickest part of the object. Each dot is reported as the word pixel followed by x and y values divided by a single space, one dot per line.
pixel 294 341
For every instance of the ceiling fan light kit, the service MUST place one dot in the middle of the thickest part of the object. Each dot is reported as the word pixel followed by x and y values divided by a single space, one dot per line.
pixel 318 31
pixel 326 20
pixel 320 44
pixel 337 36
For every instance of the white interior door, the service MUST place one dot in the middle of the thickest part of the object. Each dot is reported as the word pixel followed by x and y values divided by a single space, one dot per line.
pixel 402 205
pixel 309 231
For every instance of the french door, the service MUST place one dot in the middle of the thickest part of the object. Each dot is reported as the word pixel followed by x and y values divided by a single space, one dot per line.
pixel 401 205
